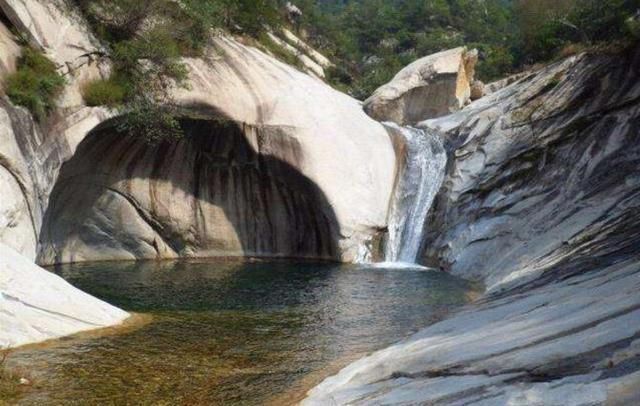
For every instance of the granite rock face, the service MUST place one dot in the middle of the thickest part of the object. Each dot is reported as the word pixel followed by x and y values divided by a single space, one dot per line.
pixel 225 189
pixel 541 202
pixel 262 172
pixel 31 153
pixel 433 86
pixel 544 175
pixel 233 82
pixel 36 305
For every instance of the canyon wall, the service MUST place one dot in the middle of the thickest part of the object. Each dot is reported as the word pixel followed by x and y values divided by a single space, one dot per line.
pixel 541 203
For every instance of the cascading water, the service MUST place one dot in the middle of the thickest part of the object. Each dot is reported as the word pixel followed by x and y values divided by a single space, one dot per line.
pixel 418 185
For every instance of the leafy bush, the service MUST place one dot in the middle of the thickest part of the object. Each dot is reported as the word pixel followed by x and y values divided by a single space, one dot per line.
pixel 35 84
pixel 400 31
pixel 496 62
pixel 150 121
pixel 633 26
pixel 548 26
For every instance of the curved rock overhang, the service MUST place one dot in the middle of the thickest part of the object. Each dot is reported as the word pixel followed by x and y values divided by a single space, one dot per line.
pixel 225 189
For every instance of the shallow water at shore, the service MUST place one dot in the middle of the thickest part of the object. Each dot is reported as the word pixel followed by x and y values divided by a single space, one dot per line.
pixel 232 332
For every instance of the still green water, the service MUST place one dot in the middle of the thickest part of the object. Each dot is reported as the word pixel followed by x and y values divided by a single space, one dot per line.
pixel 231 333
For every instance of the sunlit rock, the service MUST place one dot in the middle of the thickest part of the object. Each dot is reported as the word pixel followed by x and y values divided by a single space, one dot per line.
pixel 541 204
pixel 36 305
pixel 430 87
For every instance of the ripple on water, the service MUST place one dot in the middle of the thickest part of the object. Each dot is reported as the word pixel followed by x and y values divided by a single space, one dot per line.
pixel 232 333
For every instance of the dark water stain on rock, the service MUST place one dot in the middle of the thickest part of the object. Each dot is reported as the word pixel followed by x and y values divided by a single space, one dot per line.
pixel 224 189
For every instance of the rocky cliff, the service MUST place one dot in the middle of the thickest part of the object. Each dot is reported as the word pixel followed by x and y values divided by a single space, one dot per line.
pixel 285 119
pixel 225 189
pixel 541 202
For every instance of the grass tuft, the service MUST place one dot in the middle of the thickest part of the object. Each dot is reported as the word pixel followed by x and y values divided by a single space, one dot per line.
pixel 104 92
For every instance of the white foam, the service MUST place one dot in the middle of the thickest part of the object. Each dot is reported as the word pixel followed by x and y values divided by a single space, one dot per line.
pixel 401 265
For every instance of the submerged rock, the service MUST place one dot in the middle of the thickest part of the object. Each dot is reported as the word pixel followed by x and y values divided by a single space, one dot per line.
pixel 36 305
pixel 433 86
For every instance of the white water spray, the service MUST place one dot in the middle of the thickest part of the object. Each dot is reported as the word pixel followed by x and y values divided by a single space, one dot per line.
pixel 418 185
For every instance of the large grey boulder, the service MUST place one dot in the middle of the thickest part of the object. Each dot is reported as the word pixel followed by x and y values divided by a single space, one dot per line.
pixel 541 203
pixel 432 86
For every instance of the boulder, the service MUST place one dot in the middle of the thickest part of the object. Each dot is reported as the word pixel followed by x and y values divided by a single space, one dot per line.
pixel 432 86
pixel 477 90
pixel 37 305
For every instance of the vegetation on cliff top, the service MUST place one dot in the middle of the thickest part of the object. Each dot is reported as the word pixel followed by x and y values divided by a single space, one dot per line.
pixel 369 40
pixel 372 39
pixel 145 41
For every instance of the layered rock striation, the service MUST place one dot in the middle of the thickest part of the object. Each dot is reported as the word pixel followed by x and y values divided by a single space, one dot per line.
pixel 224 189
pixel 233 81
pixel 541 203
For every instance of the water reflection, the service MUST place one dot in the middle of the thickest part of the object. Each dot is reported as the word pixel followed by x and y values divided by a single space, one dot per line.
pixel 232 333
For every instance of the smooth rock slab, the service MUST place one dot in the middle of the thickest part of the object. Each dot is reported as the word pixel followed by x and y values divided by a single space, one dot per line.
pixel 37 305
pixel 566 343
pixel 541 203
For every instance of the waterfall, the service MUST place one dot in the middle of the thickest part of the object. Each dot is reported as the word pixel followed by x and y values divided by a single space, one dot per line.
pixel 417 187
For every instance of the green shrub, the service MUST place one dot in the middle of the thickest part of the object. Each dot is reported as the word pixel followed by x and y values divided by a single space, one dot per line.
pixel 152 121
pixel 497 61
pixel 36 83
pixel 104 92
pixel 633 26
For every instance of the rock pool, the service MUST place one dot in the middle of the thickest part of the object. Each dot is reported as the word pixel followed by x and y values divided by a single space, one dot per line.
pixel 231 332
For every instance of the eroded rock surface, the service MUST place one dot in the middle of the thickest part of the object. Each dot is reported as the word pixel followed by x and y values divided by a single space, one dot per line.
pixel 433 86
pixel 275 185
pixel 545 175
pixel 542 204
pixel 349 156
pixel 339 147
pixel 225 189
